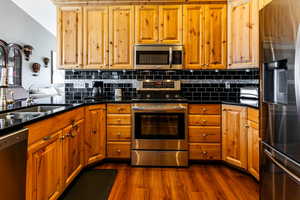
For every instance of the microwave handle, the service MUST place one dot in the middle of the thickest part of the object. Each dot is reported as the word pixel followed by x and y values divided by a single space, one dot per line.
pixel 170 57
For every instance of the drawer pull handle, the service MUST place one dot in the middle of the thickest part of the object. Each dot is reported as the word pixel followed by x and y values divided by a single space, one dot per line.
pixel 47 138
pixel 119 134
pixel 119 120
pixel 204 153
pixel 120 109
pixel 94 132
pixel 118 151
pixel 204 109
pixel 62 137
pixel 204 135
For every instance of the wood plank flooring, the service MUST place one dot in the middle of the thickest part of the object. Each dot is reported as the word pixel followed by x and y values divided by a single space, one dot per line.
pixel 198 182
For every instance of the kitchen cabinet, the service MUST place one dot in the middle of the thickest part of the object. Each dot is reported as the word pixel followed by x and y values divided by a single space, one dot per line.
pixel 158 24
pixel 119 131
pixel 204 132
pixel 121 37
pixel 216 36
pixel 69 37
pixel 72 151
pixel 205 36
pixel 146 24
pixel 193 36
pixel 95 134
pixel 263 3
pixel 54 154
pixel 95 37
pixel 243 34
pixel 253 142
pixel 170 24
pixel 44 167
pixel 234 135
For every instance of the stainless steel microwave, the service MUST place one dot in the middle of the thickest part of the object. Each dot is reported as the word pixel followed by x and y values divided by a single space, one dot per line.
pixel 158 56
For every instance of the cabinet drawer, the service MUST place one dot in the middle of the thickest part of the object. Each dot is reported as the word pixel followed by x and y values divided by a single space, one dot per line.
pixel 119 108
pixel 205 109
pixel 122 119
pixel 253 115
pixel 205 151
pixel 118 150
pixel 118 133
pixel 204 134
pixel 204 120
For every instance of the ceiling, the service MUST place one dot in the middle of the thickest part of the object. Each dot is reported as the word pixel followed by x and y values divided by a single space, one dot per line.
pixel 42 11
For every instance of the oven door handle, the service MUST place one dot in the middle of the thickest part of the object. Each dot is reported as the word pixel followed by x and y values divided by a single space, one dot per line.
pixel 278 164
pixel 158 109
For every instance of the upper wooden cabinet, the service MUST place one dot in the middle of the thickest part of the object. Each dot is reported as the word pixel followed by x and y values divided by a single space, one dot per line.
pixel 69 37
pixel 95 37
pixel 121 37
pixel 95 134
pixel 146 24
pixel 170 24
pixel 205 36
pixel 158 24
pixel 193 36
pixel 216 36
pixel 234 135
pixel 243 35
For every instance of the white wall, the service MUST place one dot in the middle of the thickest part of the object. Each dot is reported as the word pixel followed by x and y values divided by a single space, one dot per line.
pixel 43 11
pixel 16 26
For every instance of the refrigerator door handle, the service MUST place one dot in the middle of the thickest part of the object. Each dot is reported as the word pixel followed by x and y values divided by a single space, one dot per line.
pixel 278 164
pixel 297 69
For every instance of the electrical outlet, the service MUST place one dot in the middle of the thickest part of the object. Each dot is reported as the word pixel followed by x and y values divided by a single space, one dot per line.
pixel 227 85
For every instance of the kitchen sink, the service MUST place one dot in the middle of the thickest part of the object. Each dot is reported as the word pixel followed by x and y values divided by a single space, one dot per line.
pixel 20 115
pixel 38 109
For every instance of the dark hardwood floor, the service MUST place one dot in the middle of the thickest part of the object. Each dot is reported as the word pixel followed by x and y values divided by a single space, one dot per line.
pixel 198 182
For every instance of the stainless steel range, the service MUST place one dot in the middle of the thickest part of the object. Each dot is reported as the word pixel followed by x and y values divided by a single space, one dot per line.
pixel 160 136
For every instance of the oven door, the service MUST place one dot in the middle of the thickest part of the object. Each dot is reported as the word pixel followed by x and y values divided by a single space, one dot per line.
pixel 159 130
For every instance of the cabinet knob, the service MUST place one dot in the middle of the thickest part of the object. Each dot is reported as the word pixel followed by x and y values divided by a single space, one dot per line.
pixel 120 109
pixel 204 152
pixel 204 135
pixel 247 126
pixel 119 134
pixel 204 109
pixel 94 132
pixel 119 120
pixel 118 151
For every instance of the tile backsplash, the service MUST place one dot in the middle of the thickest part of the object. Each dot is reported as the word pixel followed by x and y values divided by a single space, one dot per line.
pixel 203 85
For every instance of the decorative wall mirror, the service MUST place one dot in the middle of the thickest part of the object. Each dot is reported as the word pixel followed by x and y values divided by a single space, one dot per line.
pixel 14 65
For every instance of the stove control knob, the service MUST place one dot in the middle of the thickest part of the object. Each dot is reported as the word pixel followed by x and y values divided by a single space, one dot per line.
pixel 148 96
pixel 176 96
pixel 167 96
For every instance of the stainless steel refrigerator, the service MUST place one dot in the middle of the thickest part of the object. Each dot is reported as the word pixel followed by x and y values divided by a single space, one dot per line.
pixel 280 81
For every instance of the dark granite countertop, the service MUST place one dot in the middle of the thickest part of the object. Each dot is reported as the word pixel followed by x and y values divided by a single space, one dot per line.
pixel 9 125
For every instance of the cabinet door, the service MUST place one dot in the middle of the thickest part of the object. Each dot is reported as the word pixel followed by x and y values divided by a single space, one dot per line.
pixel 69 37
pixel 72 156
pixel 121 37
pixel 170 20
pixel 146 24
pixel 216 36
pixel 44 168
pixel 95 36
pixel 234 135
pixel 253 149
pixel 193 36
pixel 95 135
pixel 243 35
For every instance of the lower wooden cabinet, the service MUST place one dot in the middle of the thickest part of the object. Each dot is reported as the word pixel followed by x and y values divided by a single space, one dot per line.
pixel 200 151
pixel 55 159
pixel 253 149
pixel 234 135
pixel 44 167
pixel 118 150
pixel 95 134
pixel 72 154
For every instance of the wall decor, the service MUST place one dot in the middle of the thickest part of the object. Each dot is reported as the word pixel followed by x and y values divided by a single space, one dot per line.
pixel 46 61
pixel 36 68
pixel 27 49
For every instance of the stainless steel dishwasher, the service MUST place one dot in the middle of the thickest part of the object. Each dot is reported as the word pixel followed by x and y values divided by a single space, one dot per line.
pixel 13 156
